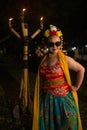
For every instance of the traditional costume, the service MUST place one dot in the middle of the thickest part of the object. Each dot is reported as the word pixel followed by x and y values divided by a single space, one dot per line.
pixel 55 106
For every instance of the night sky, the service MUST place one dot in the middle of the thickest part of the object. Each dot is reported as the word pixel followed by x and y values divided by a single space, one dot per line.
pixel 69 15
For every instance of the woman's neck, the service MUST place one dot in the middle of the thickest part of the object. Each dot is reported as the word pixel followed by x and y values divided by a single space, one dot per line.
pixel 51 56
pixel 51 59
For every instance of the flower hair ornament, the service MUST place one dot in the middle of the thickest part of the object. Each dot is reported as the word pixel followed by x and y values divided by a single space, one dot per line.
pixel 54 31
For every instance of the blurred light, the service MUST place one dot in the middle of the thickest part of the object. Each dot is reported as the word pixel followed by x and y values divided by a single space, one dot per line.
pixel 10 19
pixel 73 48
pixel 41 18
pixel 85 45
pixel 23 9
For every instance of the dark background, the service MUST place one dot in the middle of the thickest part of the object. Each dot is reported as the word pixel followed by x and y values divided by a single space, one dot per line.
pixel 69 15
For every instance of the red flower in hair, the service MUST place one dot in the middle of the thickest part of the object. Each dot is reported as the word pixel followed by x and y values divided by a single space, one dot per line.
pixel 52 32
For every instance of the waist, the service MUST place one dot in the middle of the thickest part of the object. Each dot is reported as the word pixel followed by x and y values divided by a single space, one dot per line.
pixel 54 82
pixel 59 90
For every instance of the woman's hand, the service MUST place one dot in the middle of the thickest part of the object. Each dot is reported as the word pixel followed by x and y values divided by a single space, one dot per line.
pixel 74 88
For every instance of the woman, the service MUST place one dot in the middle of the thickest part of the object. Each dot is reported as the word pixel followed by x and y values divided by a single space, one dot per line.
pixel 55 100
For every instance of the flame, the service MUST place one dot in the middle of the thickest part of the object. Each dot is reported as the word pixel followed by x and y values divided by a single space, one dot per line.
pixel 10 19
pixel 24 10
pixel 41 18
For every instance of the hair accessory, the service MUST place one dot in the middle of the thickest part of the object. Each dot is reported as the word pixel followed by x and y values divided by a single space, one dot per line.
pixel 53 30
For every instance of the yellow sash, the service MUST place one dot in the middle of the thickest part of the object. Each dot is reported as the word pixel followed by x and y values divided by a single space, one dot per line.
pixel 62 60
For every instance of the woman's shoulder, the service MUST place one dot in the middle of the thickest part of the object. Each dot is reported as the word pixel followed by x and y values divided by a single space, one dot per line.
pixel 73 64
pixel 69 59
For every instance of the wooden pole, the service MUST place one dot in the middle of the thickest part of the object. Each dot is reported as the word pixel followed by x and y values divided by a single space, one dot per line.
pixel 24 86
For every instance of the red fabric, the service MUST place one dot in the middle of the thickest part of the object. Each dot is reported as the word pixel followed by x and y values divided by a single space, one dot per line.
pixel 52 74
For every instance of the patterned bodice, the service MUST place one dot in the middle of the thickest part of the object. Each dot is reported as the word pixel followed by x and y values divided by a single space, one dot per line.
pixel 53 79
pixel 51 73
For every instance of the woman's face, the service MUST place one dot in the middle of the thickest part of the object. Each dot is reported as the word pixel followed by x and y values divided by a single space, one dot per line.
pixel 54 44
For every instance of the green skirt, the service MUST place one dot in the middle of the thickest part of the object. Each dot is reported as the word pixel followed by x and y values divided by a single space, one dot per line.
pixel 57 113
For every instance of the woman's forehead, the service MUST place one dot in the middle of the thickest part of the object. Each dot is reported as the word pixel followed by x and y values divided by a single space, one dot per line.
pixel 54 38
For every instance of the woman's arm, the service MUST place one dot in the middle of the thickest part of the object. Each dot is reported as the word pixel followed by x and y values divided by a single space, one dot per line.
pixel 79 69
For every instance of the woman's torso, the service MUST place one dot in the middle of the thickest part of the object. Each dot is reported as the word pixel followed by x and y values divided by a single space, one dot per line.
pixel 53 79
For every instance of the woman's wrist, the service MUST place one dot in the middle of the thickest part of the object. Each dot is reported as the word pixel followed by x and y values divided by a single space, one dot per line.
pixel 77 88
pixel 74 88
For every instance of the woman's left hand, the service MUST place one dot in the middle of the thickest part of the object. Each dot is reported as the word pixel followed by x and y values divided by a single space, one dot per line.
pixel 73 88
